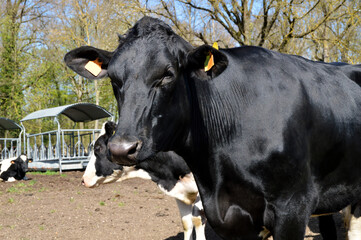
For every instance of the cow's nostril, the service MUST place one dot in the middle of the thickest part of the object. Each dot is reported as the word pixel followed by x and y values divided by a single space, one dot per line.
pixel 133 149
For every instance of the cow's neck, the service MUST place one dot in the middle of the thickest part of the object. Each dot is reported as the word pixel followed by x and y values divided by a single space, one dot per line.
pixel 212 125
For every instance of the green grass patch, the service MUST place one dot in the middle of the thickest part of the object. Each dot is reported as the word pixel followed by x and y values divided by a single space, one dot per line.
pixel 21 187
pixel 31 182
pixel 102 203
pixel 47 173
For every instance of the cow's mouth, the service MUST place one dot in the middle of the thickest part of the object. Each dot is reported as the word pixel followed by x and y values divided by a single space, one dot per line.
pixel 124 161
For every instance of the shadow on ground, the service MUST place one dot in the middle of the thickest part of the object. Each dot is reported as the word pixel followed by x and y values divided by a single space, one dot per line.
pixel 210 235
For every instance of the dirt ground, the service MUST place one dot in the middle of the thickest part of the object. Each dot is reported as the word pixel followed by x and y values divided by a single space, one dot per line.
pixel 59 207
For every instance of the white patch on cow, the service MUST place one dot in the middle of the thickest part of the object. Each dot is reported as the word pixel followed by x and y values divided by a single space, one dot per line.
pixel 6 163
pixel 102 131
pixel 90 179
pixel 185 189
pixel 132 172
pixel 352 224
pixel 11 179
pixel 23 157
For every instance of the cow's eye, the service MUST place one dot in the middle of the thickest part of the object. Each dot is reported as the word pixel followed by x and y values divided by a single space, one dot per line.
pixel 164 79
pixel 167 78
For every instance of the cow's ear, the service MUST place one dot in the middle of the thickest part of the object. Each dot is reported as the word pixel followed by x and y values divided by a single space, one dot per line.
pixel 89 62
pixel 198 62
pixel 110 128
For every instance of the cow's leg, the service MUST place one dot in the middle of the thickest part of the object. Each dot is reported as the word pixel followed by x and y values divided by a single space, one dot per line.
pixel 185 211
pixel 353 221
pixel 199 219
pixel 327 227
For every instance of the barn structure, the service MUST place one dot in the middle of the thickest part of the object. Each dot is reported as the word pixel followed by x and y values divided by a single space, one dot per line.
pixel 63 149
pixel 10 146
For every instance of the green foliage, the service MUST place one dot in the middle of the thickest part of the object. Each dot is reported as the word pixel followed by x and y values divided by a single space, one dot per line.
pixel 12 63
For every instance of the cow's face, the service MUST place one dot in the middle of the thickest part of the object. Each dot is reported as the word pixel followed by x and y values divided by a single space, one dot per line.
pixel 148 72
pixel 100 169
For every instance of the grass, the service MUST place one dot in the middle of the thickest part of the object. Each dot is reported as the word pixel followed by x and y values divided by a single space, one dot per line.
pixel 21 187
pixel 11 200
pixel 47 173
pixel 102 203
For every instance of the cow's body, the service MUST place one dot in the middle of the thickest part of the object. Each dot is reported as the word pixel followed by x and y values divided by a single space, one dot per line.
pixel 270 138
pixel 167 170
pixel 13 169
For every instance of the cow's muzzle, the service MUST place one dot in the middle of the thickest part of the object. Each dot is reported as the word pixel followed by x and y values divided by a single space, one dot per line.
pixel 124 151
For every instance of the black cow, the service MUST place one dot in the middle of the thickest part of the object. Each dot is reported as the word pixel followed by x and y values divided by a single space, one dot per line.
pixel 13 169
pixel 271 138
pixel 167 170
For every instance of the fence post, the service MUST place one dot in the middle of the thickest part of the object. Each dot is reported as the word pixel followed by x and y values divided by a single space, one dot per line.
pixel 58 144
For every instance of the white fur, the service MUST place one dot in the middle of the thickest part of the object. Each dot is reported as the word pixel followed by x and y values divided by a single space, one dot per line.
pixel 185 189
pixel 352 225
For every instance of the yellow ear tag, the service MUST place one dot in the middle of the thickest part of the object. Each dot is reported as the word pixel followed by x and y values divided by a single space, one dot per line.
pixel 12 162
pixel 94 67
pixel 209 63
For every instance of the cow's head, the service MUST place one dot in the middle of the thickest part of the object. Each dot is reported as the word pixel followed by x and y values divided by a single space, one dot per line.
pixel 100 169
pixel 149 72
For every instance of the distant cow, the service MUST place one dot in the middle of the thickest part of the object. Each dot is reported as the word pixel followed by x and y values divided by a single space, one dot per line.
pixel 270 138
pixel 167 170
pixel 13 169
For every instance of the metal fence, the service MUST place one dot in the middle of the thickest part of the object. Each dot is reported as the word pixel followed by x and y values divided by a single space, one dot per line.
pixel 9 148
pixel 65 147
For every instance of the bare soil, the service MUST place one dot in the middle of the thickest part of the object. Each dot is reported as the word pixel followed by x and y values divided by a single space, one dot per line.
pixel 59 207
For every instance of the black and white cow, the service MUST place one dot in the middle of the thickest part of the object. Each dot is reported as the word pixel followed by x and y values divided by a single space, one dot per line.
pixel 13 169
pixel 270 138
pixel 167 170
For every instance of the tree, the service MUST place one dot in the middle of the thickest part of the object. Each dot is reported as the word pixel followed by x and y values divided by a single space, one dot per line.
pixel 18 36
pixel 311 28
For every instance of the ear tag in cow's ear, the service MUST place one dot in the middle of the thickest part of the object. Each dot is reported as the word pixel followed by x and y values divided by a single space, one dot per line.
pixel 209 63
pixel 12 162
pixel 94 67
